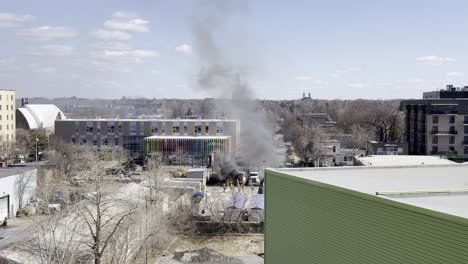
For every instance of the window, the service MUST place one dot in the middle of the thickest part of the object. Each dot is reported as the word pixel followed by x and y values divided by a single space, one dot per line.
pixel 334 149
pixel 435 119
pixel 451 148
pixel 465 119
pixel 89 129
pixel 435 129
pixel 12 97
pixel 197 129
pixel 175 129
pixel 73 141
pixel 11 107
pixel 435 150
pixel 7 107
pixel 465 150
pixel 104 141
pixel 452 130
pixel 116 141
pixel 435 139
pixel 120 129
pixel 11 117
pixel 7 127
pixel 7 137
pixel 0 97
pixel 154 130
pixel 94 142
pixel 0 116
pixel 207 128
pixel 466 129
pixel 452 119
pixel 451 140
pixel 6 117
pixel 185 129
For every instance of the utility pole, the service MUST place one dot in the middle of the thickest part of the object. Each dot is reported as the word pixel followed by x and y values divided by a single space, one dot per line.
pixel 37 140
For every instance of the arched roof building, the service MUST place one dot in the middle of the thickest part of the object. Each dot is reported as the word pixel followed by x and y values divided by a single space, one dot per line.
pixel 38 116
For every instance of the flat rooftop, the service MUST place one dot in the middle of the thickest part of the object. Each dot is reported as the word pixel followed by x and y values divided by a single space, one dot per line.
pixel 188 137
pixel 145 119
pixel 403 160
pixel 442 188
pixel 10 171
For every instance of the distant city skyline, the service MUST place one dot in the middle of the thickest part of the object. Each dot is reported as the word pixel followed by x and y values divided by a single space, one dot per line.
pixel 332 49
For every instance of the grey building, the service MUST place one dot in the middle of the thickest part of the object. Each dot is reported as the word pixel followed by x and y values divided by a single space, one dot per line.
pixel 386 148
pixel 129 134
pixel 438 124
pixel 319 119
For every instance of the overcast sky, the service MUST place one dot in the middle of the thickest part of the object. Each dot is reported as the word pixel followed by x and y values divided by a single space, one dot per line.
pixel 333 49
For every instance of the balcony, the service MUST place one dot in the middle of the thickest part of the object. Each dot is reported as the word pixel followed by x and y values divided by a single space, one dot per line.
pixel 439 132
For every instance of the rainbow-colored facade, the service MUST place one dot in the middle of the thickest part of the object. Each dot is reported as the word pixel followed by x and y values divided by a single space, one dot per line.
pixel 187 150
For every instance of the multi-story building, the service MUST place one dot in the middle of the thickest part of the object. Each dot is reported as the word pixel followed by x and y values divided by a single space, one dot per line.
pixel 438 124
pixel 129 134
pixel 7 116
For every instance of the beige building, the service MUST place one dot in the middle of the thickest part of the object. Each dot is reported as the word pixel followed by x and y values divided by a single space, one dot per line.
pixel 129 133
pixel 7 116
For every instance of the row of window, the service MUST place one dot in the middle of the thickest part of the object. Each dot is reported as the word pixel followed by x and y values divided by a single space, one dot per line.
pixel 8 107
pixel 435 149
pixel 8 127
pixel 452 129
pixel 103 141
pixel 11 97
pixel 8 137
pixel 7 117
pixel 154 130
pixel 435 139
pixel 435 119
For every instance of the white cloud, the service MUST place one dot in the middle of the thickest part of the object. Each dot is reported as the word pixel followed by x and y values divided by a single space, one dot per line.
pixel 111 34
pixel 117 54
pixel 8 20
pixel 41 69
pixel 357 85
pixel 127 21
pixel 184 48
pixel 48 32
pixel 303 78
pixel 434 60
pixel 54 50
pixel 131 53
pixel 339 73
pixel 455 74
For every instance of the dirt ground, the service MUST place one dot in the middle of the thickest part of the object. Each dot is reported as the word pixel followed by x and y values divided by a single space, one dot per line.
pixel 228 245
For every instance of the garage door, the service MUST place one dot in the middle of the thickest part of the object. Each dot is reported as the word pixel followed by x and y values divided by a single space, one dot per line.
pixel 4 207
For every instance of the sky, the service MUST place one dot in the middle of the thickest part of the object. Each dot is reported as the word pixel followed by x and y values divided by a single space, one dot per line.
pixel 145 48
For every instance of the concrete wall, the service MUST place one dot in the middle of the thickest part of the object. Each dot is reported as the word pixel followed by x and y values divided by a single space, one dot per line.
pixel 311 222
pixel 8 186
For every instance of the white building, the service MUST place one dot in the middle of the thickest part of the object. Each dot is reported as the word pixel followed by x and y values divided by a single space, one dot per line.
pixel 10 178
pixel 38 116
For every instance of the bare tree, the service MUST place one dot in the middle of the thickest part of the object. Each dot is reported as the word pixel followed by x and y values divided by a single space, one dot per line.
pixel 23 185
pixel 308 143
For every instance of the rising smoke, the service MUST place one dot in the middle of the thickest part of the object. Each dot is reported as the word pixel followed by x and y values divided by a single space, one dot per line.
pixel 221 76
